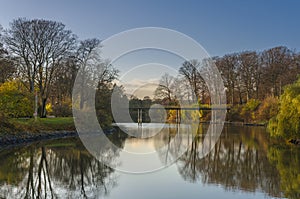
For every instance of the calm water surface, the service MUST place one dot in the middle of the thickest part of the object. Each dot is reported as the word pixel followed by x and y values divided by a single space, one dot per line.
pixel 243 164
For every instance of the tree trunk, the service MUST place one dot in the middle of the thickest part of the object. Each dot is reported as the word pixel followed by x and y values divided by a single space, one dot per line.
pixel 232 94
pixel 31 86
pixel 43 108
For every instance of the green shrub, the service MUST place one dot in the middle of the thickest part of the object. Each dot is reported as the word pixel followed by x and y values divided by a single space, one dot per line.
pixel 269 108
pixel 248 111
pixel 287 122
pixel 15 101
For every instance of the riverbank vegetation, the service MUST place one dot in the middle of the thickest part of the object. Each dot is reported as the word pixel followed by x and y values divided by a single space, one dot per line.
pixel 40 59
pixel 20 125
pixel 260 88
pixel 287 122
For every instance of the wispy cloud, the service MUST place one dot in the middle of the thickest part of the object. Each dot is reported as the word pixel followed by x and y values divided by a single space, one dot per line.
pixel 140 88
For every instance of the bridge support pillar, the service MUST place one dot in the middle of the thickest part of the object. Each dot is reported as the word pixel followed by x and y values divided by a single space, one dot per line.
pixel 178 116
pixel 140 116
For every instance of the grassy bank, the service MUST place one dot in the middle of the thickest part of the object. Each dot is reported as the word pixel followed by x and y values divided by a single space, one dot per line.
pixel 14 126
pixel 45 124
pixel 25 130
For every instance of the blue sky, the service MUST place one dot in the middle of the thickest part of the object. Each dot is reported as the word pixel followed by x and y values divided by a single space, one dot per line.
pixel 219 26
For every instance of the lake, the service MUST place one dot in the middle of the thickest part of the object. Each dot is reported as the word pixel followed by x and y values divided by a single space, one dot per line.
pixel 244 163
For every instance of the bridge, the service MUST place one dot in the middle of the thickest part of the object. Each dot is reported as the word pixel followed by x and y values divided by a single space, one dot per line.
pixel 178 109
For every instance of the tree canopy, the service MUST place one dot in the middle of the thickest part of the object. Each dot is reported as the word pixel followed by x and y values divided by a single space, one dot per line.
pixel 287 122
pixel 40 45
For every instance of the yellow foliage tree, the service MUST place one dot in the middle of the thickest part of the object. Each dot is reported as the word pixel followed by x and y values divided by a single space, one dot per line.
pixel 15 101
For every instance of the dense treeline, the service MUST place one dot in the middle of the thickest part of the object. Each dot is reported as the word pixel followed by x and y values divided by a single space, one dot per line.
pixel 257 75
pixel 254 82
pixel 40 59
pixel 246 75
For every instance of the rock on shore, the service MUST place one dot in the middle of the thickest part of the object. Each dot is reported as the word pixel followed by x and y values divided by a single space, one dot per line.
pixel 27 137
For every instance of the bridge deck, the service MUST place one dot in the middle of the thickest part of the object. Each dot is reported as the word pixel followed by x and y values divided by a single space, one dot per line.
pixel 181 108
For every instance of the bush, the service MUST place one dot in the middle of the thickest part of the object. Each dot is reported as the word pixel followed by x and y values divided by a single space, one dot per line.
pixel 234 115
pixel 287 122
pixel 249 110
pixel 268 109
pixel 62 110
pixel 15 101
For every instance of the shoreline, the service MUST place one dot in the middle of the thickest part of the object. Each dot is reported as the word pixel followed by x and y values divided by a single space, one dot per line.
pixel 19 138
pixel 239 123
pixel 27 137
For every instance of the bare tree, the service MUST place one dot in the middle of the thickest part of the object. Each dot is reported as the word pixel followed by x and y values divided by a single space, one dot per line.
pixel 228 68
pixel 2 51
pixel 7 68
pixel 164 89
pixel 278 66
pixel 182 90
pixel 92 68
pixel 85 50
pixel 41 45
pixel 248 69
pixel 64 80
pixel 190 71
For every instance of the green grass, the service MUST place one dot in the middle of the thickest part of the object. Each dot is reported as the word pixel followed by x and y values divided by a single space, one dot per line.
pixel 61 145
pixel 44 124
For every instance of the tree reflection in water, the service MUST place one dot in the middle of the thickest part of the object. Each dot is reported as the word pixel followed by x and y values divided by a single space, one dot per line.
pixel 286 158
pixel 57 169
pixel 244 159
pixel 238 161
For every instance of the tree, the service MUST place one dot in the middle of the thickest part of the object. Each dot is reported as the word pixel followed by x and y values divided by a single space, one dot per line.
pixel 279 69
pixel 287 123
pixel 85 51
pixel 248 70
pixel 92 68
pixel 40 45
pixel 1 44
pixel 7 68
pixel 64 80
pixel 190 71
pixel 13 93
pixel 164 89
pixel 228 69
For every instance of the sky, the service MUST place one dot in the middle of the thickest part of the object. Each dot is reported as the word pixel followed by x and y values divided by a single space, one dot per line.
pixel 220 26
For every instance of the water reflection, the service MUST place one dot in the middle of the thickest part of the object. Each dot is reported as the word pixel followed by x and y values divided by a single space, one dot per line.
pixel 56 169
pixel 244 159
pixel 238 161
pixel 286 159
pixel 152 152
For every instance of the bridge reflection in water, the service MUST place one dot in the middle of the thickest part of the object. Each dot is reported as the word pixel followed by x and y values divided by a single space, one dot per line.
pixel 244 163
